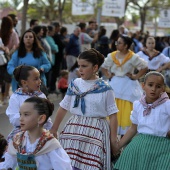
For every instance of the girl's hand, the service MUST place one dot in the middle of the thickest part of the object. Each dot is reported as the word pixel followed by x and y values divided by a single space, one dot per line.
pixel 168 134
pixel 114 147
pixel 55 133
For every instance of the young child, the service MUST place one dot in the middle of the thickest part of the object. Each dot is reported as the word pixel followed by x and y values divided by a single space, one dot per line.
pixel 150 148
pixel 35 147
pixel 3 147
pixel 63 82
pixel 28 78
pixel 87 135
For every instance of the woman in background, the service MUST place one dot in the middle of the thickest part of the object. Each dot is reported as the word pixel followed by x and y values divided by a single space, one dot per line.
pixel 29 53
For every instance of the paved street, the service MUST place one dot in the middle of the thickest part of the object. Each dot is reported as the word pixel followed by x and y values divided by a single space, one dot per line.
pixel 5 126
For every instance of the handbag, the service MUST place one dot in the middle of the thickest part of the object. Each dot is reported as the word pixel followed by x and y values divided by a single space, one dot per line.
pixel 3 60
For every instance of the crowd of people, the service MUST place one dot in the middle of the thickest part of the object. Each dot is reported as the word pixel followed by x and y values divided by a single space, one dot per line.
pixel 116 89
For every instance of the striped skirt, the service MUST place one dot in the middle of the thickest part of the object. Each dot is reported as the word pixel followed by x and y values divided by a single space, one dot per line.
pixel 87 142
pixel 145 152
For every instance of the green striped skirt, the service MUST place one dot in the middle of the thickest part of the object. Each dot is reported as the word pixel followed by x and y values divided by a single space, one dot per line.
pixel 145 152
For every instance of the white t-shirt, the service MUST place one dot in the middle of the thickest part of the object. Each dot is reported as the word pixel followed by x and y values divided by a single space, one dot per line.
pixel 156 123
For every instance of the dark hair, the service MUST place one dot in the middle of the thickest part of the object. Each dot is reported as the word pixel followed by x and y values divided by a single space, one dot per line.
pixel 91 22
pixel 3 144
pixel 127 40
pixel 82 25
pixel 50 27
pixel 101 32
pixel 63 30
pixel 13 16
pixel 154 73
pixel 6 29
pixel 74 66
pixel 45 31
pixel 42 105
pixel 114 35
pixel 56 24
pixel 22 73
pixel 32 22
pixel 37 29
pixel 93 56
pixel 36 47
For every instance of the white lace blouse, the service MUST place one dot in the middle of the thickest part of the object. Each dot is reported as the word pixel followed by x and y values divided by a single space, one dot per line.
pixel 96 105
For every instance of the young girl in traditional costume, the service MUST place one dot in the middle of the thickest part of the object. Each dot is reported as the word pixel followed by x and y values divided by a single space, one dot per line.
pixel 35 148
pixel 28 78
pixel 119 67
pixel 150 148
pixel 88 137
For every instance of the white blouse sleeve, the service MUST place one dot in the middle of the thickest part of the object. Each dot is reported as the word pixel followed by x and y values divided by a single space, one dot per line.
pixel 134 114
pixel 60 160
pixel 164 59
pixel 13 111
pixel 10 162
pixel 111 106
pixel 108 63
pixel 138 62
pixel 66 102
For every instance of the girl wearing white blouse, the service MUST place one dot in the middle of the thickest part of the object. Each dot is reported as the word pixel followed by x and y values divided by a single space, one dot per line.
pixel 150 148
pixel 88 138
pixel 154 58
pixel 119 68
pixel 28 78
pixel 34 147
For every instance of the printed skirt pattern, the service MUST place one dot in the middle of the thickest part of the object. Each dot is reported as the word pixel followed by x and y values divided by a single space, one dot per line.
pixel 87 142
pixel 145 152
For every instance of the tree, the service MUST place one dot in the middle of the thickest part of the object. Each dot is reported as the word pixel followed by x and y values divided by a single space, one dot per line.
pixel 144 6
pixel 24 16
pixel 47 10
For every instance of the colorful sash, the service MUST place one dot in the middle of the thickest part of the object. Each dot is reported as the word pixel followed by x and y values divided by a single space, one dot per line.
pixel 147 108
pixel 26 161
pixel 116 61
pixel 99 87
pixel 20 92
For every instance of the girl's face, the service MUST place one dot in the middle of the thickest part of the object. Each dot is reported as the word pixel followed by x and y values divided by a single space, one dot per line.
pixel 150 43
pixel 120 44
pixel 33 82
pixel 28 39
pixel 87 70
pixel 153 88
pixel 29 117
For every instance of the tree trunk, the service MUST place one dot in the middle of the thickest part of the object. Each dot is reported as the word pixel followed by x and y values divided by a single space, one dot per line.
pixel 24 16
pixel 143 18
